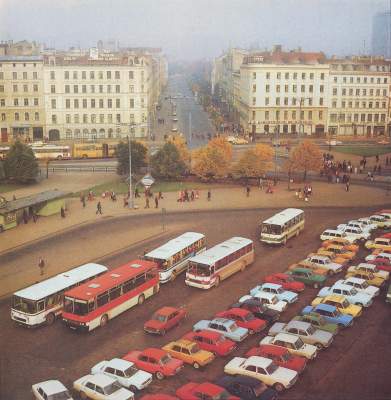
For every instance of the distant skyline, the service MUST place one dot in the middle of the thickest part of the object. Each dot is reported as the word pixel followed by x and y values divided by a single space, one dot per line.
pixel 195 29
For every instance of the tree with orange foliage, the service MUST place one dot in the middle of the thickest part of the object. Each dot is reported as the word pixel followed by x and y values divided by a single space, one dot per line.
pixel 181 144
pixel 305 157
pixel 224 146
pixel 254 162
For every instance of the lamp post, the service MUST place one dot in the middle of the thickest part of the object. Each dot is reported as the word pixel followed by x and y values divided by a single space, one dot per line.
pixel 276 136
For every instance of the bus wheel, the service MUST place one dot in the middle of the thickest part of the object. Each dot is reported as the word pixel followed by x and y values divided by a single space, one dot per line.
pixel 50 319
pixel 84 156
pixel 104 320
pixel 217 281
pixel 141 299
pixel 59 157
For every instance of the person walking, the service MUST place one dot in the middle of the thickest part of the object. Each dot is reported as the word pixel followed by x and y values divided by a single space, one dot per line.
pixel 146 202
pixel 347 186
pixel 248 191
pixel 156 201
pixel 160 195
pixel 62 211
pixel 41 265
pixel 99 208
pixel 83 201
pixel 209 195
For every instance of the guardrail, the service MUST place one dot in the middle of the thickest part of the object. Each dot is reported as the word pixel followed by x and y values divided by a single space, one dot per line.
pixel 80 169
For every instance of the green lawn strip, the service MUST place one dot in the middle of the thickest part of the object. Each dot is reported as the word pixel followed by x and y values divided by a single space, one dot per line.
pixel 9 187
pixel 367 151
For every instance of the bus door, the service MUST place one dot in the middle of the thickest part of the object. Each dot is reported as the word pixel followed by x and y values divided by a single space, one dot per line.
pixel 105 150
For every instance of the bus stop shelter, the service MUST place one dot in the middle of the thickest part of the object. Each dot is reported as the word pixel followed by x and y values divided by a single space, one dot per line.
pixel 40 204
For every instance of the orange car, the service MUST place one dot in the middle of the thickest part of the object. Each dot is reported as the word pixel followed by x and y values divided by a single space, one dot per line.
pixel 305 264
pixel 343 242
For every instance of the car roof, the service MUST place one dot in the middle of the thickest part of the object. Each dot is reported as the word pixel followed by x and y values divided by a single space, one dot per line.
pixel 223 321
pixel 280 275
pixel 100 379
pixel 238 311
pixel 209 388
pixel 355 280
pixel 271 285
pixel 52 387
pixel 340 285
pixel 273 349
pixel 166 310
pixel 258 361
pixel 301 269
pixel 153 352
pixel 286 337
pixel 120 364
pixel 298 324
pixel 265 295
pixel 325 307
pixel 208 334
pixel 335 297
pixel 367 266
pixel 183 343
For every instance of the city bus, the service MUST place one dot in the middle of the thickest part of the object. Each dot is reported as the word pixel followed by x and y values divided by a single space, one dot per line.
pixel 51 152
pixel 93 304
pixel 282 226
pixel 173 257
pixel 94 150
pixel 219 262
pixel 43 302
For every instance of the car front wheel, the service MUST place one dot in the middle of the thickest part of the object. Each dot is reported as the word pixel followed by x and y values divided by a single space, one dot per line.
pixel 196 365
pixel 159 375
pixel 83 396
pixel 279 387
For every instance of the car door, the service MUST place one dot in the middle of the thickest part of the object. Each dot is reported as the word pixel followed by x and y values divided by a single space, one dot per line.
pixel 251 370
pixel 176 351
pixel 145 363
pixel 171 320
pixel 261 372
pixel 42 394
pixel 99 393
pixel 120 377
pixel 89 389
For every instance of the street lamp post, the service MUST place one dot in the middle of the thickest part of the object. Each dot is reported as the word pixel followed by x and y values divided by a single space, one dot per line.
pixel 276 135
pixel 130 200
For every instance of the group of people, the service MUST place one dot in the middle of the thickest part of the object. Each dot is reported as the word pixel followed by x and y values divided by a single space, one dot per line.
pixel 304 194
pixel 186 195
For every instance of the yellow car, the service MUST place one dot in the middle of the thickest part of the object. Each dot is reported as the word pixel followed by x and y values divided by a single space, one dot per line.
pixel 313 267
pixel 336 258
pixel 370 268
pixel 341 303
pixel 189 353
pixel 343 242
pixel 369 277
pixel 341 251
pixel 379 243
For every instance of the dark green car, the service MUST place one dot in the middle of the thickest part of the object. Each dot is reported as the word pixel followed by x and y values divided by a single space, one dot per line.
pixel 307 276
pixel 318 322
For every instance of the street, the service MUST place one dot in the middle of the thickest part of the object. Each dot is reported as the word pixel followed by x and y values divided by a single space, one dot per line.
pixel 341 372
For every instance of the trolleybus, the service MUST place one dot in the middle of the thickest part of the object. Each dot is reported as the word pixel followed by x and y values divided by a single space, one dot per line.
pixel 93 304
pixel 173 257
pixel 282 226
pixel 219 262
pixel 42 302
pixel 51 151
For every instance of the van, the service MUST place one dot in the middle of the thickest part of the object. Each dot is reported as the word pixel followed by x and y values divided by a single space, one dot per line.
pixel 330 234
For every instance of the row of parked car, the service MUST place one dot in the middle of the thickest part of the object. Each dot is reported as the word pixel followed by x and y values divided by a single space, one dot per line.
pixel 281 356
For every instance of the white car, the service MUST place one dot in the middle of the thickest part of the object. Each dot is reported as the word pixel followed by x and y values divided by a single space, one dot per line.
pixel 324 262
pixel 293 343
pixel 368 223
pixel 124 372
pixel 381 221
pixel 360 285
pixel 371 257
pixel 356 233
pixel 355 224
pixel 278 290
pixel 101 387
pixel 51 390
pixel 263 369
pixel 270 300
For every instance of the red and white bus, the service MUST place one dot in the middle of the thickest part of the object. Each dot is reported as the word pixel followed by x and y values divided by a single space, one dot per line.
pixel 93 304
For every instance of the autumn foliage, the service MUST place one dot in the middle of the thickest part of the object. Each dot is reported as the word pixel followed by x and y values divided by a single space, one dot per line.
pixel 184 153
pixel 305 157
pixel 254 162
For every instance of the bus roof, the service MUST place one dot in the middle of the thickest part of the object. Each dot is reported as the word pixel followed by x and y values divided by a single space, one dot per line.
pixel 210 256
pixel 283 216
pixel 173 246
pixel 110 279
pixel 60 282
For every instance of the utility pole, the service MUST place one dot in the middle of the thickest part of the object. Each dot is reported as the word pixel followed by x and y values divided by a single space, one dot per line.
pixel 189 127
pixel 276 144
pixel 130 202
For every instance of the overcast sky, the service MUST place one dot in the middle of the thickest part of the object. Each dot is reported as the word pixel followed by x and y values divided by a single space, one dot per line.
pixel 193 29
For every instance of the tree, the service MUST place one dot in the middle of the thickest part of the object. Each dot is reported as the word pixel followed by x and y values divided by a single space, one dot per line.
pixel 254 162
pixel 139 153
pixel 213 160
pixel 306 157
pixel 184 153
pixel 20 163
pixel 167 162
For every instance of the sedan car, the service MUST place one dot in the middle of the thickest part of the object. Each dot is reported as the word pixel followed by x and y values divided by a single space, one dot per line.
pixel 258 309
pixel 317 321
pixel 225 326
pixel 278 290
pixel 280 355
pixel 341 302
pixel 263 369
pixel 361 285
pixel 164 319
pixel 307 276
pixel 189 352
pixel 155 361
pixel 204 390
pixel 341 241
pixel 244 319
pixel 211 341
pixel 247 388
pixel 371 268
pixel 50 390
pixel 101 387
pixel 353 295
pixel 286 281
pixel 330 313
pixel 270 300
pixel 382 264
pixel 124 372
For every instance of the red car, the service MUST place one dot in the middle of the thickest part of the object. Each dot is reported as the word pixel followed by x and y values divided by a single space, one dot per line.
pixel 381 263
pixel 212 341
pixel 386 236
pixel 244 319
pixel 286 281
pixel 205 390
pixel 155 361
pixel 164 319
pixel 280 355
pixel 158 397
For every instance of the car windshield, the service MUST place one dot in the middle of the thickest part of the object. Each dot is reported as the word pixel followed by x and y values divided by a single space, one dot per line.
pixel 271 368
pixel 298 344
pixel 194 349
pixel 286 356
pixel 159 317
pixel 232 327
pixel 279 290
pixel 112 388
pixel 165 359
pixel 345 304
pixel 65 395
pixel 199 269
pixel 364 285
pixel 249 317
pixel 130 371
pixel 162 264
pixel 310 330
pixel 24 305
pixel 271 229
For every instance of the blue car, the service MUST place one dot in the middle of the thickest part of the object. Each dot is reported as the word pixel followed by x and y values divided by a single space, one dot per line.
pixel 277 290
pixel 247 388
pixel 331 314
pixel 226 327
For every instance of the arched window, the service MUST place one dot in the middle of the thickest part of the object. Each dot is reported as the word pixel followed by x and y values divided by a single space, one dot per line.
pixel 93 133
pixel 77 134
pixel 85 133
pixel 110 133
pixel 101 133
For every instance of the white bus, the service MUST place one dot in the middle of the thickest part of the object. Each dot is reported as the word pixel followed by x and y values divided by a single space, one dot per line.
pixel 219 262
pixel 282 226
pixel 173 257
pixel 51 152
pixel 42 302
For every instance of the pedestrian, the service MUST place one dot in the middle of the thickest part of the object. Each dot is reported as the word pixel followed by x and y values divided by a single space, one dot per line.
pixel 41 265
pixel 186 195
pixel 248 191
pixel 261 183
pixel 25 217
pixel 146 202
pixel 156 201
pixel 99 208
pixel 62 212
pixel 35 217
pixel 355 170
pixel 160 195
pixel 192 195
pixel 136 193
pixel 377 158
pixel 347 185
pixel 83 201
pixel 209 195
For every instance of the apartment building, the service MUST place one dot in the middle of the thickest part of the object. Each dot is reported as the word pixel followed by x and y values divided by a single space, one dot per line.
pixel 22 111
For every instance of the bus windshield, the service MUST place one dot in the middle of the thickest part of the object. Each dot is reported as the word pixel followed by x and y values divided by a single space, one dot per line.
pixel 162 264
pixel 199 269
pixel 77 307
pixel 24 305
pixel 271 229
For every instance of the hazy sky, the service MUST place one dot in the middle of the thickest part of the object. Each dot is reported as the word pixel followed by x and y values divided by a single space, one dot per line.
pixel 192 29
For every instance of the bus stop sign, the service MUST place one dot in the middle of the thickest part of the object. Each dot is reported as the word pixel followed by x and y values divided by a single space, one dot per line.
pixel 147 181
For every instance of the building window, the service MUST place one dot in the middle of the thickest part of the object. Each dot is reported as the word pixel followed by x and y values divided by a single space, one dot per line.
pixel 16 116
pixel 310 115
pixel 25 88
pixel 2 75
pixel 254 75
pixel 362 117
pixel 301 115
pixel 118 117
pixel 67 89
pixel 285 115
pixel 102 118
pixel 293 115
pixel 278 75
pixel 253 115
pixel 26 102
pixel 294 101
pixel 285 101
pixel 52 88
pixel 66 75
pixel 321 101
pixel 109 103
pixel 110 118
pixel 376 117
pixel 277 115
pixel 267 75
pixel 286 88
pixel 294 88
pixel 371 92
pixel 344 79
pixel 16 102
pixel 266 115
pixel 254 101
pixel 85 103
pixel 311 88
pixel 267 89
pixel 84 88
pixel 343 105
pixel 14 75
pixel 75 89
pixel 377 92
pixel 24 75
pixel 383 117
pixel 335 79
pixel 277 101
pixel 321 88
pixel 100 88
pixel 101 103
pixel 385 80
pixel 117 89
pixel 355 117
pixel 310 101
pixel 286 75
pixel 35 101
pixel 131 105
pixel 15 88
pixel 92 75
pixel 93 118
pixel 369 118
pixel 100 74
pixel 92 103
pixel 131 89
pixel 108 88
pixel 254 88
pixel 311 75
pixel 67 103
pixel 54 119
pixel 85 118
pixel 303 75
pixel 266 100
pixel 2 102
pixel 370 104
pixel 278 88
pixel 335 91
pixel 302 88
pixel 92 87
pixel 76 119
pixel 52 75
pixel 76 103
pixel 117 75
pixel 68 118
pixel 83 75
pixel 26 116
pixel 131 75
pixel 320 115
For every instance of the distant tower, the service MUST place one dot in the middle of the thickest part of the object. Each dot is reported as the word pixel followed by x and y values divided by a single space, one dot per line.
pixel 381 34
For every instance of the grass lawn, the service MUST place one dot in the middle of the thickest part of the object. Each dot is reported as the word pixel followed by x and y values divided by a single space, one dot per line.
pixel 120 187
pixel 9 187
pixel 367 151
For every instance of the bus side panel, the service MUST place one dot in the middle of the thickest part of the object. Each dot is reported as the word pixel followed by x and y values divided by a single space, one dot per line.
pixel 236 265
